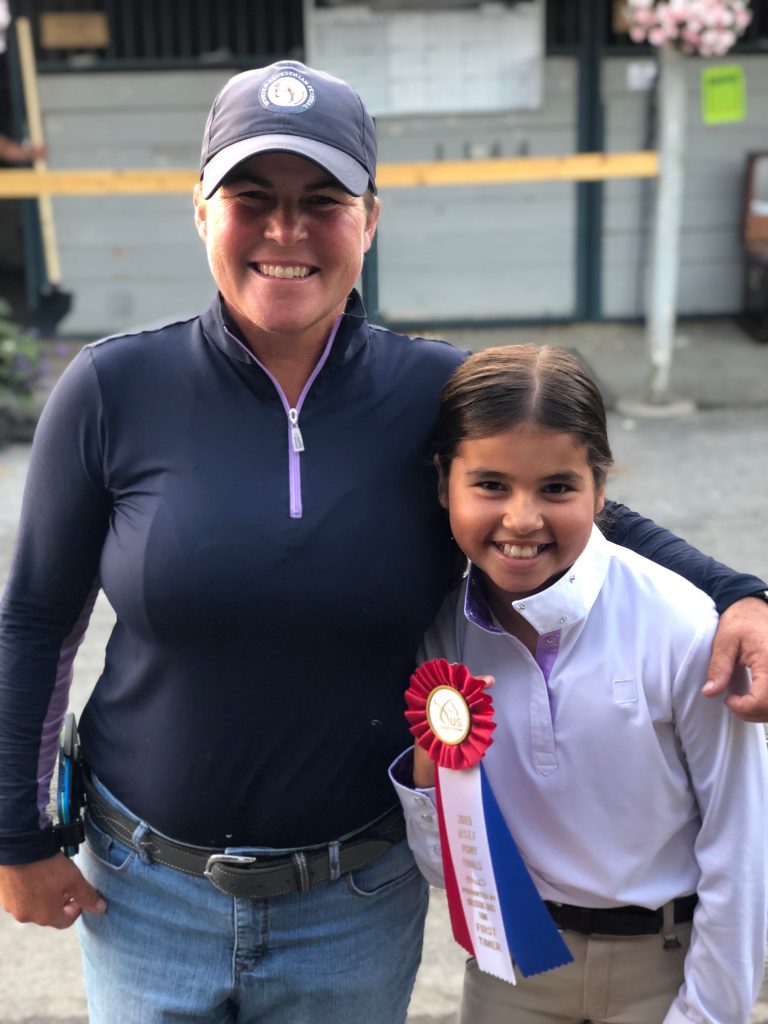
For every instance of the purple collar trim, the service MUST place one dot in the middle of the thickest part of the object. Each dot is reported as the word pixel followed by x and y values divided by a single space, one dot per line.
pixel 476 604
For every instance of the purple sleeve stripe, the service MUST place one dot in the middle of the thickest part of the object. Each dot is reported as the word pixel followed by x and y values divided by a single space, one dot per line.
pixel 57 707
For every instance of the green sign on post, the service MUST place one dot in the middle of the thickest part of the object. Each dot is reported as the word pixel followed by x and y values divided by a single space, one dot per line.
pixel 723 94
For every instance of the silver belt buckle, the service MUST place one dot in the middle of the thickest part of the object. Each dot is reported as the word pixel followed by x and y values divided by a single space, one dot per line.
pixel 226 858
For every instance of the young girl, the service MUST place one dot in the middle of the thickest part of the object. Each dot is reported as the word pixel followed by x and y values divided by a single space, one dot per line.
pixel 626 792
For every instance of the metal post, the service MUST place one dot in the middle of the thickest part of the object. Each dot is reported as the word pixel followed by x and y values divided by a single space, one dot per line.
pixel 370 282
pixel 589 194
pixel 662 299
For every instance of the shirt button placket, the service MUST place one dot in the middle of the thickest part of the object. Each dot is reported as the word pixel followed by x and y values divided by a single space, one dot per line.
pixel 543 733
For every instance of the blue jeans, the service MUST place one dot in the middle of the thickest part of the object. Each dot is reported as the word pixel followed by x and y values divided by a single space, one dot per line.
pixel 171 947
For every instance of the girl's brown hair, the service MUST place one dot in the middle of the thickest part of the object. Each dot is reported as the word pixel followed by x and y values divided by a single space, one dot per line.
pixel 501 388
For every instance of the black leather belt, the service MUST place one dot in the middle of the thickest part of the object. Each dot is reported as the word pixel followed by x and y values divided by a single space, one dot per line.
pixel 249 876
pixel 618 920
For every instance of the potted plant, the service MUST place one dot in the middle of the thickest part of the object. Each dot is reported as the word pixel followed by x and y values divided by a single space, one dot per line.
pixel 22 368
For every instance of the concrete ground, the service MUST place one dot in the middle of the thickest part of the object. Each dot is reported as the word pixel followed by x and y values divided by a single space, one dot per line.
pixel 703 476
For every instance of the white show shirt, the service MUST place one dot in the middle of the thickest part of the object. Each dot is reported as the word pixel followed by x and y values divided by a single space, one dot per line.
pixel 620 783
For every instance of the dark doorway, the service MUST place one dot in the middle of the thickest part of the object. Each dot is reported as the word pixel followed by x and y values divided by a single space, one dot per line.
pixel 13 284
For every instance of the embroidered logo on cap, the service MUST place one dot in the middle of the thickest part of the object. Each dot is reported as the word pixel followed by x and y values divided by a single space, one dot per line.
pixel 287 91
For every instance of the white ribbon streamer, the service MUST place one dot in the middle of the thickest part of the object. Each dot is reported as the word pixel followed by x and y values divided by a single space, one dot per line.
pixel 464 821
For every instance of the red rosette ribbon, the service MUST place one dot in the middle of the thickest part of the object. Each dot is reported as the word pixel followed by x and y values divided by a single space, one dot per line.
pixel 439 673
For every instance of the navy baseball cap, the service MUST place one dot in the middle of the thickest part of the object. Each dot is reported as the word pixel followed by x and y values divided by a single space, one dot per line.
pixel 290 108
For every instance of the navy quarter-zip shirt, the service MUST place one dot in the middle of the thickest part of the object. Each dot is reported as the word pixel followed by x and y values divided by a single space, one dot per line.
pixel 253 686
pixel 269 601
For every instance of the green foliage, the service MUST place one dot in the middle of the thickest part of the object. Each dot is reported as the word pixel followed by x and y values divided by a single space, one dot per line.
pixel 21 357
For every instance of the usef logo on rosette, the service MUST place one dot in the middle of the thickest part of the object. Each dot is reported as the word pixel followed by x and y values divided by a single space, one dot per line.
pixel 450 713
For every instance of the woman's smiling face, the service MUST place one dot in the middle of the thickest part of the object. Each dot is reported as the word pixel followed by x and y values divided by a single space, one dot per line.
pixel 285 245
pixel 521 504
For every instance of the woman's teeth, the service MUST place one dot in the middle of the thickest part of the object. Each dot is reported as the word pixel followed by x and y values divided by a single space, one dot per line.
pixel 273 270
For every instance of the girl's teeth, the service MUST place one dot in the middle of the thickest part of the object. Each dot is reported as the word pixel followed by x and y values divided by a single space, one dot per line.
pixel 518 551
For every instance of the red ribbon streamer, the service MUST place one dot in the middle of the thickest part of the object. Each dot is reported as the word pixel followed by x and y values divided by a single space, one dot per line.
pixel 455 908
pixel 440 672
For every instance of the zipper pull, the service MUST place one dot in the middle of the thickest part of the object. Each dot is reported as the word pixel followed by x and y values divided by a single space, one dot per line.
pixel 296 439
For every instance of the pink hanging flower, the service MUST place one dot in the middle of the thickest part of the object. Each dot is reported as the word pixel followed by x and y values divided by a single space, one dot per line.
pixel 728 40
pixel 644 19
pixel 708 28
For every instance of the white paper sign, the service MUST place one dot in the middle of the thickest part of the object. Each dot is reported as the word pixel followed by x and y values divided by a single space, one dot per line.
pixel 489 57
pixel 641 74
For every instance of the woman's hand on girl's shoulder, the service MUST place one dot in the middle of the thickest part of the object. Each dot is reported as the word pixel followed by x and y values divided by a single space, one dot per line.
pixel 742 639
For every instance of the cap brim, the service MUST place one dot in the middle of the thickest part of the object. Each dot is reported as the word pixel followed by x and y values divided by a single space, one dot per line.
pixel 352 175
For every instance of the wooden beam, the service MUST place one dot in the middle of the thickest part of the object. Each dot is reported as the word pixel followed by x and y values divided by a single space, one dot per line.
pixel 579 167
pixel 28 184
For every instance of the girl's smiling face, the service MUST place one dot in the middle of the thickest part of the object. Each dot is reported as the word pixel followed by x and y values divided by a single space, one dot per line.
pixel 521 504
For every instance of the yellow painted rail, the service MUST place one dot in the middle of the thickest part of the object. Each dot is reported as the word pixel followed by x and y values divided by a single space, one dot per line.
pixel 28 184
pixel 25 184
pixel 579 167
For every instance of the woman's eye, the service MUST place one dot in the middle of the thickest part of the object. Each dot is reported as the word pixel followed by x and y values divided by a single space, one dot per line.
pixel 322 200
pixel 251 195
pixel 489 485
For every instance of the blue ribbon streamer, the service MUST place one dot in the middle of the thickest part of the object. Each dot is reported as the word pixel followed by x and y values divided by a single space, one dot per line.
pixel 534 941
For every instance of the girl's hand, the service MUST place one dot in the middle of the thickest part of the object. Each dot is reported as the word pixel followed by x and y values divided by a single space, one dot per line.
pixel 423 768
pixel 423 765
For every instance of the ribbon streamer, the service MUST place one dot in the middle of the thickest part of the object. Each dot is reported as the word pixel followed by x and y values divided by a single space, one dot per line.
pixel 496 912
